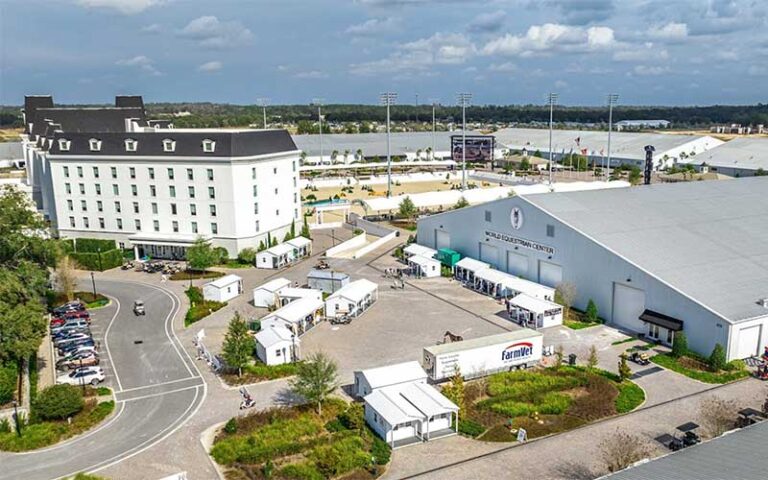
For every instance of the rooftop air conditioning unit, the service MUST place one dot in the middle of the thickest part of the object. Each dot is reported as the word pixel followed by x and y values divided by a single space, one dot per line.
pixel 763 302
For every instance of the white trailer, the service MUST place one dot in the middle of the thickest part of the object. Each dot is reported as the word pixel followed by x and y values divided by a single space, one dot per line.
pixel 482 356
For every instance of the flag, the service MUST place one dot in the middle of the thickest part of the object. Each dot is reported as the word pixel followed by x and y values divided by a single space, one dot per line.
pixel 583 151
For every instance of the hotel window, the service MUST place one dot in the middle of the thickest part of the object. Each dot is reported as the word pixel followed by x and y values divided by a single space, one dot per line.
pixel 294 165
pixel 98 188
pixel 137 223
pixel 296 213
pixel 172 191
pixel 152 191
pixel 210 174
pixel 68 188
pixel 94 144
pixel 169 145
pixel 135 207
pixel 295 198
pixel 214 228
pixel 487 215
pixel 80 172
pixel 118 208
pixel 193 210
pixel 156 225
pixel 294 181
pixel 191 192
pixel 64 145
pixel 114 171
pixel 257 226
pixel 277 212
pixel 253 173
pixel 83 205
pixel 255 190
pixel 130 145
pixel 132 172
pixel 70 206
pixel 82 189
pixel 190 174
pixel 550 230
pixel 72 222
pixel 119 223
pixel 170 174
pixel 66 172
pixel 174 211
pixel 275 191
pixel 86 224
pixel 255 208
pixel 194 227
pixel 151 173
pixel 134 190
pixel 175 226
pixel 101 223
pixel 209 146
pixel 99 206
pixel 274 170
pixel 115 189
pixel 213 210
pixel 95 172
pixel 154 208
pixel 211 192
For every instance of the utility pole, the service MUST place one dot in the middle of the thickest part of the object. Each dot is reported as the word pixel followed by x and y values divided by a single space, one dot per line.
pixel 613 98
pixel 262 102
pixel 463 100
pixel 434 126
pixel 319 103
pixel 552 99
pixel 388 99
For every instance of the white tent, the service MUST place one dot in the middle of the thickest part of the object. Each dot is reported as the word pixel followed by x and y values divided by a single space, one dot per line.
pixel 352 299
pixel 416 249
pixel 424 266
pixel 298 316
pixel 499 284
pixel 465 269
pixel 534 312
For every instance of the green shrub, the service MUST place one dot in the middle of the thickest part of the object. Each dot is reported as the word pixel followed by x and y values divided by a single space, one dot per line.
pixel 301 471
pixel 353 417
pixel 381 451
pixel 247 256
pixel 717 358
pixel 630 397
pixel 680 345
pixel 340 457
pixel 5 425
pixel 591 312
pixel 91 261
pixel 471 428
pixel 92 245
pixel 58 402
pixel 7 383
pixel 231 426
pixel 222 255
pixel 335 425
pixel 735 366
pixel 672 363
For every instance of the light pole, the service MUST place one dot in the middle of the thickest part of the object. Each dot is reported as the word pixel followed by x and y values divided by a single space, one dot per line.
pixel 93 282
pixel 262 102
pixel 388 99
pixel 434 126
pixel 16 420
pixel 552 99
pixel 613 98
pixel 319 103
pixel 463 100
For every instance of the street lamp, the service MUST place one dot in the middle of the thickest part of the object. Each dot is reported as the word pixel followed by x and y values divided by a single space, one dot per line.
pixel 16 420
pixel 463 100
pixel 262 102
pixel 93 282
pixel 319 103
pixel 388 99
pixel 552 100
pixel 613 98
pixel 101 268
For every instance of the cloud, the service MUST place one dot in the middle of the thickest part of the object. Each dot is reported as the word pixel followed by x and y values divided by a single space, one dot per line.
pixel 212 66
pixel 140 62
pixel 421 55
pixel 646 52
pixel 550 38
pixel 669 31
pixel 373 26
pixel 650 70
pixel 582 12
pixel 506 67
pixel 561 84
pixel 488 22
pixel 311 74
pixel 209 31
pixel 757 70
pixel 126 7
pixel 153 28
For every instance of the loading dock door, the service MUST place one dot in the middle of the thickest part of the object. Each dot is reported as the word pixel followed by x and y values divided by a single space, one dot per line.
pixel 550 274
pixel 748 343
pixel 628 304
pixel 517 264
pixel 489 254
pixel 442 239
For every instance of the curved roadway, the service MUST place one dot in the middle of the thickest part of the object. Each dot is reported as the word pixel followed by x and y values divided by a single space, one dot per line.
pixel 157 388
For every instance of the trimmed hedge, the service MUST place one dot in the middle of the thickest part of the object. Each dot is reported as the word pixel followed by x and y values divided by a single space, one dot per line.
pixel 7 382
pixel 58 402
pixel 85 252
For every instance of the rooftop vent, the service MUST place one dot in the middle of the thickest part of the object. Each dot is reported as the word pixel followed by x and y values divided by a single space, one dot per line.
pixel 763 302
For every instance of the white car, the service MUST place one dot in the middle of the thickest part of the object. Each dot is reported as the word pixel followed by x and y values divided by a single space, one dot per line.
pixel 82 376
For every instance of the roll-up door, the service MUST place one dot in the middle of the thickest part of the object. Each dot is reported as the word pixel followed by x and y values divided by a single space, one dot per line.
pixel 442 239
pixel 550 274
pixel 517 264
pixel 489 254
pixel 628 304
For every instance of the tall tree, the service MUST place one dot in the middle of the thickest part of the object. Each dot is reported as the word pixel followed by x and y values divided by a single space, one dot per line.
pixel 407 209
pixel 66 278
pixel 237 349
pixel 316 378
pixel 201 256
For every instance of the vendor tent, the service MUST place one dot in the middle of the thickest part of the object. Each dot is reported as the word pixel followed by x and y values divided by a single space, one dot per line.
pixel 534 312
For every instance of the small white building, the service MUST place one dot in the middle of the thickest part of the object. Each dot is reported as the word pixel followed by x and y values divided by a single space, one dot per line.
pixel 277 345
pixel 327 280
pixel 298 316
pixel 290 294
pixel 353 299
pixel 499 284
pixel 534 312
pixel 266 295
pixel 410 413
pixel 223 289
pixel 275 257
pixel 416 249
pixel 367 381
pixel 302 247
pixel 466 269
pixel 426 267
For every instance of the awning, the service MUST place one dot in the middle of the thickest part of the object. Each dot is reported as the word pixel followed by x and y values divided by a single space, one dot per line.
pixel 662 320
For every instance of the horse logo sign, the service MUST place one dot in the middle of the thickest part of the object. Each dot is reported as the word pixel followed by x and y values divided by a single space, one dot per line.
pixel 516 218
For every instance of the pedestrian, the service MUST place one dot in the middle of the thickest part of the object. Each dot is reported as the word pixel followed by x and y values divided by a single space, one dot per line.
pixel 163 278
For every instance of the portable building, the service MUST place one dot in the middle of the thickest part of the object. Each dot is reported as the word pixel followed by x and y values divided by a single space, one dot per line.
pixel 298 316
pixel 327 280
pixel 290 294
pixel 366 381
pixel 534 312
pixel 352 299
pixel 223 289
pixel 275 257
pixel 423 266
pixel 448 257
pixel 484 355
pixel 302 247
pixel 266 295
pixel 276 345
pixel 416 249
pixel 465 269
pixel 499 284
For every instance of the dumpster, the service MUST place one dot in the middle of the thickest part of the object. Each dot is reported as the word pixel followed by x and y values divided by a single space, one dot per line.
pixel 572 359
pixel 448 257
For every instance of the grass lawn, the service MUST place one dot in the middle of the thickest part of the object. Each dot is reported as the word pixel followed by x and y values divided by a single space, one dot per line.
pixel 260 372
pixel 544 401
pixel 42 434
pixel 696 369
pixel 199 308
pixel 577 320
pixel 187 275
pixel 88 298
pixel 298 443
pixel 234 263
pixel 626 340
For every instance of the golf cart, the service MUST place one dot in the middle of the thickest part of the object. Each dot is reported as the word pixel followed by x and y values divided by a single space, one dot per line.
pixel 640 358
pixel 762 371
pixel 138 308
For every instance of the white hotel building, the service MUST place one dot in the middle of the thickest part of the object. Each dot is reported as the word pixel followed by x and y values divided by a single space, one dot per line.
pixel 157 189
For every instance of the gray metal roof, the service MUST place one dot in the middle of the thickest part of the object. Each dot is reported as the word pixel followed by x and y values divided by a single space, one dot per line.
pixel 706 239
pixel 11 151
pixel 748 153
pixel 373 144
pixel 739 455
pixel 628 145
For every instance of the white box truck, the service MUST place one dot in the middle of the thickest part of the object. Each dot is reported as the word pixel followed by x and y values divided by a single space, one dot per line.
pixel 483 356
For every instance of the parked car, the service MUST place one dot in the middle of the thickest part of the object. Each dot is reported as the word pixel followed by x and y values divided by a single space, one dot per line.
pixel 85 359
pixel 70 337
pixel 70 325
pixel 74 345
pixel 82 376
pixel 82 350
pixel 138 308
pixel 75 306
pixel 69 333
pixel 73 315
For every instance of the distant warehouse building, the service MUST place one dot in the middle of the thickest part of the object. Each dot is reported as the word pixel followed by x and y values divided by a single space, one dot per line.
pixel 656 259
pixel 741 157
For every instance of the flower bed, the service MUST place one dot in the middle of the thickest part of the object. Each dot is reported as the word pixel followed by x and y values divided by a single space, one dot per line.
pixel 259 372
pixel 199 308
pixel 698 370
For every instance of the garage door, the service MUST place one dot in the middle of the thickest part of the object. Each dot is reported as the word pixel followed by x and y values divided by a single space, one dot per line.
pixel 550 274
pixel 404 431
pixel 748 342
pixel 628 304
pixel 442 239
pixel 489 254
pixel 517 264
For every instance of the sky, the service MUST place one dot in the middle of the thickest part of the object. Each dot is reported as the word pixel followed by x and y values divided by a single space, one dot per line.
pixel 650 52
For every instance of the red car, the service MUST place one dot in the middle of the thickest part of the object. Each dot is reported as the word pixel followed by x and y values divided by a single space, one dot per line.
pixel 72 315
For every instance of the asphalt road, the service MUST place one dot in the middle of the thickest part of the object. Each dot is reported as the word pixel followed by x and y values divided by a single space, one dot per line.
pixel 157 388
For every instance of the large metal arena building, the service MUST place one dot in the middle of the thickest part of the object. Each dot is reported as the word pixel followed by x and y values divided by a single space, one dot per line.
pixel 656 259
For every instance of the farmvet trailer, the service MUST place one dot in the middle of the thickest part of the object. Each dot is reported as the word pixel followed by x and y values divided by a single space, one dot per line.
pixel 482 356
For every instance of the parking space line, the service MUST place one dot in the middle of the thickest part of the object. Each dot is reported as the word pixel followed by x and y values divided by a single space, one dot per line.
pixel 159 394
pixel 106 342
pixel 156 384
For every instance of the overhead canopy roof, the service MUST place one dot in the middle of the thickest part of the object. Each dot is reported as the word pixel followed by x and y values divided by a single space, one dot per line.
pixel 297 310
pixel 533 304
pixel 356 291
pixel 373 144
pixel 416 249
pixel 662 320
pixel 471 264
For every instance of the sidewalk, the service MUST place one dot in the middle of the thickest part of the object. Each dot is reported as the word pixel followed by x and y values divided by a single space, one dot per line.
pixel 46 368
